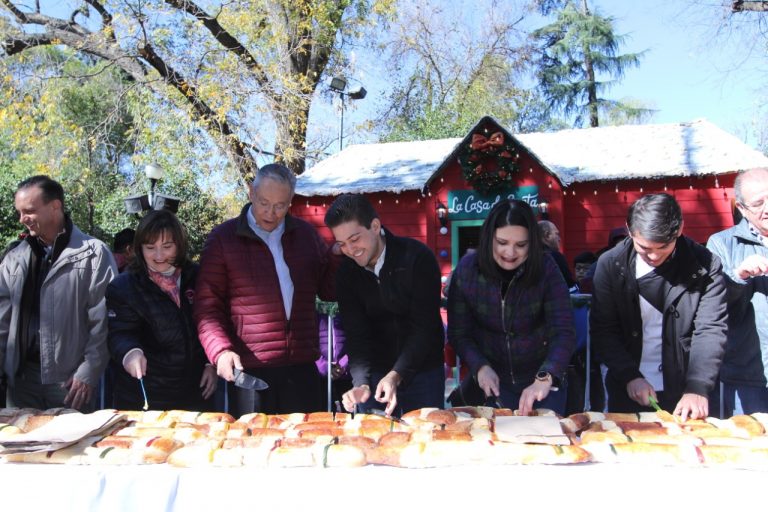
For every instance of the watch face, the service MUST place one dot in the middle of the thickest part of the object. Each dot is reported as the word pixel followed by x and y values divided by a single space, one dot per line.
pixel 542 376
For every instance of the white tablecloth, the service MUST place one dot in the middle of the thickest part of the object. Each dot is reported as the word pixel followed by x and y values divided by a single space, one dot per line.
pixel 30 487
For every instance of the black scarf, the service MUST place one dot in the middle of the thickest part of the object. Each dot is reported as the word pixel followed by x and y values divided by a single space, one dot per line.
pixel 655 285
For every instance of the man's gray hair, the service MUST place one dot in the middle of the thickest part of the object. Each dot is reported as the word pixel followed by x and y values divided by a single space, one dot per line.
pixel 737 191
pixel 277 172
pixel 546 227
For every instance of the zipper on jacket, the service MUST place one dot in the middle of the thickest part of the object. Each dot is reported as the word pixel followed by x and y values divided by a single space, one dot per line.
pixel 507 339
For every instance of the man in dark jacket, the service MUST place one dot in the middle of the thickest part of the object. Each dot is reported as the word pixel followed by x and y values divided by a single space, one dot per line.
pixel 255 298
pixel 659 315
pixel 550 237
pixel 388 290
pixel 744 252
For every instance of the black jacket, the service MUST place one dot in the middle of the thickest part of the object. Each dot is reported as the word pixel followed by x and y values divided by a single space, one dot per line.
pixel 393 322
pixel 142 316
pixel 694 325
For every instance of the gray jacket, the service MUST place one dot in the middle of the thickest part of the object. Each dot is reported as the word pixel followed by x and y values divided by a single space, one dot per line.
pixel 73 313
pixel 746 355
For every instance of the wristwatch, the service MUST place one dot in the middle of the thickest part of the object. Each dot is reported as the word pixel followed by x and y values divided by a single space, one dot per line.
pixel 543 376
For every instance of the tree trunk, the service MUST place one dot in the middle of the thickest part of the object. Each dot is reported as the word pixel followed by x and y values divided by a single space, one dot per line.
pixel 590 70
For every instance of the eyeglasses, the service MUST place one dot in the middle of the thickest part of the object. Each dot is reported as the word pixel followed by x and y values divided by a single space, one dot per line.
pixel 755 207
pixel 277 208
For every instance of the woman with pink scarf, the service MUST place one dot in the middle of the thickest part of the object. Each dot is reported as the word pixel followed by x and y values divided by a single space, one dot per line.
pixel 153 342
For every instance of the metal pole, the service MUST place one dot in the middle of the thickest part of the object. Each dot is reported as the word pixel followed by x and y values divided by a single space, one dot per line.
pixel 153 182
pixel 330 356
pixel 341 122
pixel 588 380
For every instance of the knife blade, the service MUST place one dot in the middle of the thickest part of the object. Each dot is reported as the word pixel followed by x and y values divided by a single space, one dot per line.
pixel 247 381
pixel 661 413
pixel 144 392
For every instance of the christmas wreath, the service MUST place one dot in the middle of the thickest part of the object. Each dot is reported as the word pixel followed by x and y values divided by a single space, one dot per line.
pixel 487 163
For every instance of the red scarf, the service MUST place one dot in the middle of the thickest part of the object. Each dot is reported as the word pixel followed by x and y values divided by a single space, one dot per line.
pixel 168 283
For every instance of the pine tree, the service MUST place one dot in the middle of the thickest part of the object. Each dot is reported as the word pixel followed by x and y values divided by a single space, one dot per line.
pixel 574 50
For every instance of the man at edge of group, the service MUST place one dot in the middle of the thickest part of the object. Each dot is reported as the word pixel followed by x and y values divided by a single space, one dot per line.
pixel 659 315
pixel 550 237
pixel 53 316
pixel 388 290
pixel 255 298
pixel 744 252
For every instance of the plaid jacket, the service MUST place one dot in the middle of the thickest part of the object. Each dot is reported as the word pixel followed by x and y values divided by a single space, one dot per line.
pixel 535 334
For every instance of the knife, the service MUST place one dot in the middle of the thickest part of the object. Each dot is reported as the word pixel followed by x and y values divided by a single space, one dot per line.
pixel 661 413
pixel 144 392
pixel 248 381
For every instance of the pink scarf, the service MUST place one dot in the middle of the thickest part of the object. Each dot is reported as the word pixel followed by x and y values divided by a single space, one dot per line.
pixel 168 283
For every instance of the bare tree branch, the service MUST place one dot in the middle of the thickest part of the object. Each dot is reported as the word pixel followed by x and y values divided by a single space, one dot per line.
pixel 106 17
pixel 225 39
pixel 743 6
pixel 12 46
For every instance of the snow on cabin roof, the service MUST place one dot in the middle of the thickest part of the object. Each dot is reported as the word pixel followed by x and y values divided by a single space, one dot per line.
pixel 578 155
pixel 641 151
pixel 384 167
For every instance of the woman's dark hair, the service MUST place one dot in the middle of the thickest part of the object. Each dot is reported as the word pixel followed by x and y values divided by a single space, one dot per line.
pixel 511 212
pixel 150 230
pixel 655 217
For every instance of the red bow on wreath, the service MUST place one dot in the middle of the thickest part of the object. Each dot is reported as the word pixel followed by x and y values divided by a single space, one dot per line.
pixel 481 143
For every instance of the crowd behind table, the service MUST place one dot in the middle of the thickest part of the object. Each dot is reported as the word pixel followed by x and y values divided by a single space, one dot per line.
pixel 671 321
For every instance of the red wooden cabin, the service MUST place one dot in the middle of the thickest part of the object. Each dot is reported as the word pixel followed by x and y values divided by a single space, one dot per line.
pixel 587 179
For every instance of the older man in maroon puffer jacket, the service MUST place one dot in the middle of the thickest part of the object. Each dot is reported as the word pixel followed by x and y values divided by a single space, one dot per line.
pixel 255 298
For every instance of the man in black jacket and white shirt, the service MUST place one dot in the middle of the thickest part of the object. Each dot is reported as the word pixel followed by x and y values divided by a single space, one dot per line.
pixel 659 314
pixel 388 290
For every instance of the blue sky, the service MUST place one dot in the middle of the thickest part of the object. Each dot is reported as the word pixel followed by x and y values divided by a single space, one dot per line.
pixel 692 67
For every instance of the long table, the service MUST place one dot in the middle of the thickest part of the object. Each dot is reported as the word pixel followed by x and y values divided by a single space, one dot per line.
pixel 469 488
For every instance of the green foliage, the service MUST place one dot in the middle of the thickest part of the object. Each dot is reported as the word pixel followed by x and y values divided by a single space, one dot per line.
pixel 457 73
pixel 88 127
pixel 244 72
pixel 575 50
pixel 9 220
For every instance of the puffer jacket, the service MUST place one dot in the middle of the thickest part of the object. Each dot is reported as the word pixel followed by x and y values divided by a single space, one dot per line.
pixel 239 305
pixel 73 313
pixel 746 354
pixel 694 319
pixel 527 331
pixel 143 316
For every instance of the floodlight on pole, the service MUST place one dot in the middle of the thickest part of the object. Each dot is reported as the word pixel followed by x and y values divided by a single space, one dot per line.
pixel 339 85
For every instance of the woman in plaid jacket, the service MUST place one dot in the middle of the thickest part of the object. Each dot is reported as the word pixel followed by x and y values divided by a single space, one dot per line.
pixel 509 313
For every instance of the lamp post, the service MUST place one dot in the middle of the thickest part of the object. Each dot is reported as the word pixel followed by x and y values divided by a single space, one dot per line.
pixel 155 201
pixel 339 85
pixel 154 172
pixel 544 208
